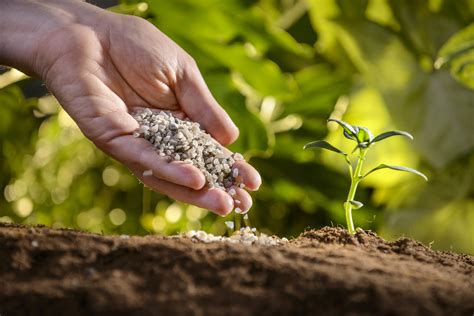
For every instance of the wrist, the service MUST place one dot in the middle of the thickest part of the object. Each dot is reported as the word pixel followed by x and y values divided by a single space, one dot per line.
pixel 28 29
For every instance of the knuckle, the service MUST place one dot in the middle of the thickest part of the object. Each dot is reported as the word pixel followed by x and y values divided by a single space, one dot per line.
pixel 189 62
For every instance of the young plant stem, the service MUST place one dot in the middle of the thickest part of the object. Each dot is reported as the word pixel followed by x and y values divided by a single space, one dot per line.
pixel 237 221
pixel 355 179
pixel 247 222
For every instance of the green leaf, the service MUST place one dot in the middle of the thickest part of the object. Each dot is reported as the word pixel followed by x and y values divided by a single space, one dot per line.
pixel 364 135
pixel 319 88
pixel 350 131
pixel 225 48
pixel 252 70
pixel 356 204
pixel 398 168
pixel 458 54
pixel 423 30
pixel 390 134
pixel 255 137
pixel 325 145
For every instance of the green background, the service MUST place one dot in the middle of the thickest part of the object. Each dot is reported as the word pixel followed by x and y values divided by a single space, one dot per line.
pixel 281 69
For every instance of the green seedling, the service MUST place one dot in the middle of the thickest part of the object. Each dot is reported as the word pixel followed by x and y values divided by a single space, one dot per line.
pixel 364 139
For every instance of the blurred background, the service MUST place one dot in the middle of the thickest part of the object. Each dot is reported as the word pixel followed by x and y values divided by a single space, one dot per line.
pixel 280 68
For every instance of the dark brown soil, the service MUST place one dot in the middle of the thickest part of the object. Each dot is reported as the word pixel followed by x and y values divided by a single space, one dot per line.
pixel 326 272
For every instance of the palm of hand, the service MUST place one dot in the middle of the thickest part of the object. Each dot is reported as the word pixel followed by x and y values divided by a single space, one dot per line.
pixel 100 75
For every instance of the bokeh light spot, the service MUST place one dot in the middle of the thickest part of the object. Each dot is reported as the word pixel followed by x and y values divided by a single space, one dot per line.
pixel 158 224
pixel 110 176
pixel 193 225
pixel 117 216
pixel 194 213
pixel 5 219
pixel 24 207
pixel 173 213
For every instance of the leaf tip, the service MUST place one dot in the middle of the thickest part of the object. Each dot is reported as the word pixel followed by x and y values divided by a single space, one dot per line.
pixel 439 63
pixel 410 136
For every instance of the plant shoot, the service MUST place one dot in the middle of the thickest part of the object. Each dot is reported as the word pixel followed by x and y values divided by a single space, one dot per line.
pixel 364 139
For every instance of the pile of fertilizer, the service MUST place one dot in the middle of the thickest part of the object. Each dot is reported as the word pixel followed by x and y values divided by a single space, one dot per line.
pixel 184 140
pixel 246 235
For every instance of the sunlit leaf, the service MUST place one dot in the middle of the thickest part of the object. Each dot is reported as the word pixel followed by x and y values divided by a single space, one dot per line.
pixel 325 145
pixel 350 131
pixel 398 168
pixel 11 76
pixel 423 30
pixel 364 135
pixel 171 16
pixel 252 69
pixel 319 88
pixel 347 135
pixel 390 134
pixel 458 54
pixel 255 137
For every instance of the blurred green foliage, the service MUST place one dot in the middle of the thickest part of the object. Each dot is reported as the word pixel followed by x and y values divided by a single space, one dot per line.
pixel 280 68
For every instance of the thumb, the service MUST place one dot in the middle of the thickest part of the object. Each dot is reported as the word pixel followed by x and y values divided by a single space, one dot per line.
pixel 199 105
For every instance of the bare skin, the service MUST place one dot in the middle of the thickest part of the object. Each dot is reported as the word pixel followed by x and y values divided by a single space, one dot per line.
pixel 100 65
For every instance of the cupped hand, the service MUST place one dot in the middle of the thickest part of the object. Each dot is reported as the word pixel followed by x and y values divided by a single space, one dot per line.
pixel 101 70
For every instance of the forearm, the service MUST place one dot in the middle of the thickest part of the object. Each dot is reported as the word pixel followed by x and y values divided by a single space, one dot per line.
pixel 26 26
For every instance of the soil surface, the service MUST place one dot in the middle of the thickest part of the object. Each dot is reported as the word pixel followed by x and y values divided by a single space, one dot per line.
pixel 325 272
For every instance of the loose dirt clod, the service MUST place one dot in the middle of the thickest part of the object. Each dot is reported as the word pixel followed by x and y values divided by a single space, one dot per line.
pixel 183 140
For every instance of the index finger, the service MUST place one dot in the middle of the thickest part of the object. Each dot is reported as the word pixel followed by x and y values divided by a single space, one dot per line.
pixel 199 104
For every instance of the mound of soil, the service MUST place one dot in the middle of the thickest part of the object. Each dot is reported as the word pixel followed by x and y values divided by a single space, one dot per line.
pixel 64 272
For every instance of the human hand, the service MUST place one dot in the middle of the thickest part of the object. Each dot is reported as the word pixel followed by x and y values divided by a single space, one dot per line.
pixel 101 65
